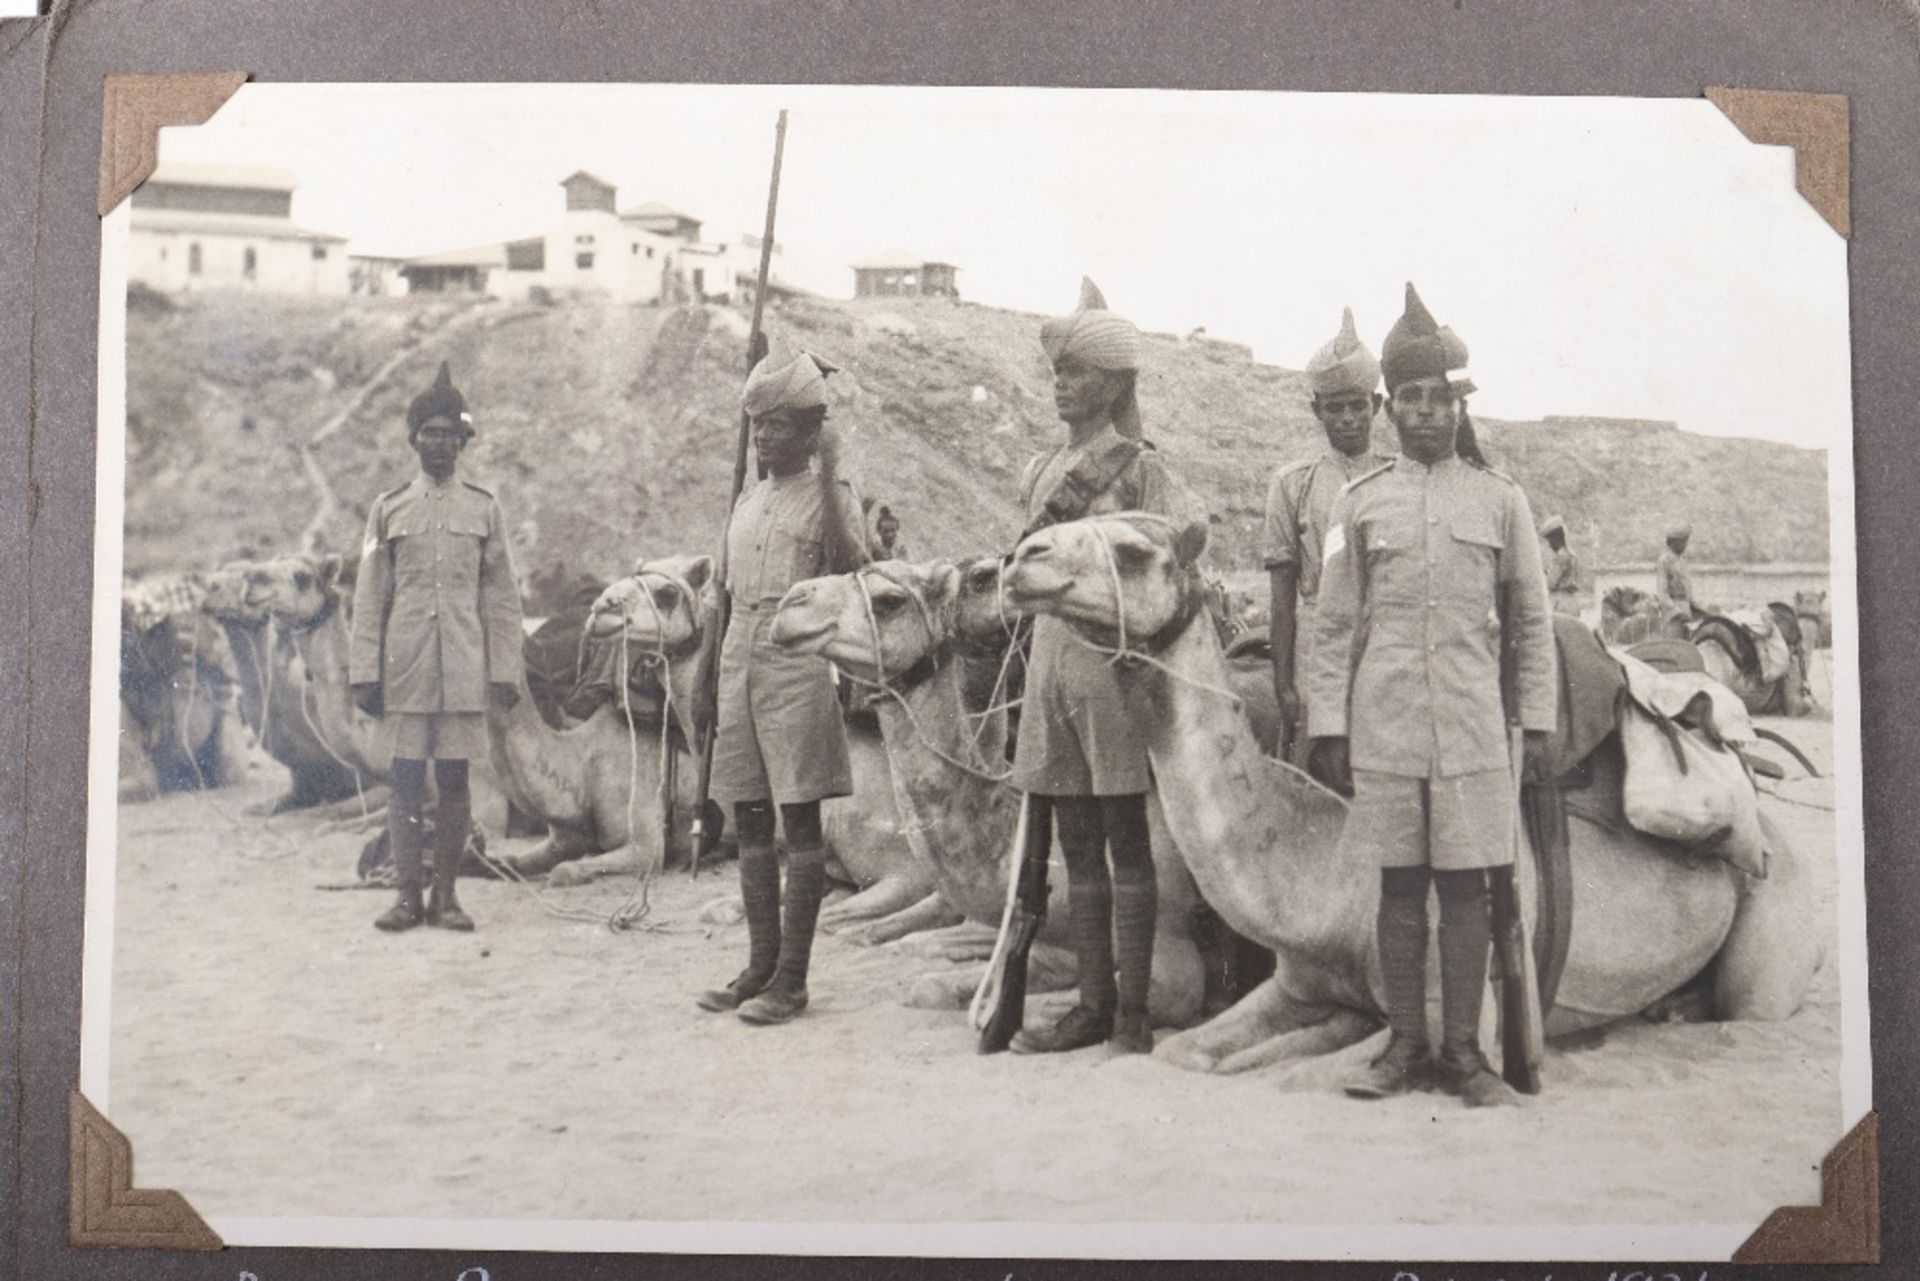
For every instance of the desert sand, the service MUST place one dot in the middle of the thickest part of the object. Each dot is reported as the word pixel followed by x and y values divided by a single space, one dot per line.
pixel 273 1055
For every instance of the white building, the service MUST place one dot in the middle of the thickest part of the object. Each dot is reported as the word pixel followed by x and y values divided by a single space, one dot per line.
pixel 652 253
pixel 197 227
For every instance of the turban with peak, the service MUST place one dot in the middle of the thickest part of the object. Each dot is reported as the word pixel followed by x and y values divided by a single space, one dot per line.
pixel 442 400
pixel 783 381
pixel 1552 525
pixel 1419 347
pixel 1680 529
pixel 1093 334
pixel 1344 364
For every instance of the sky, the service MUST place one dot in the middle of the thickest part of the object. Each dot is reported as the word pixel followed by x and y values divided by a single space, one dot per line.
pixel 1609 256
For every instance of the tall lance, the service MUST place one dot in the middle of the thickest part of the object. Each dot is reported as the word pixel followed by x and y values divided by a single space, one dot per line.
pixel 707 695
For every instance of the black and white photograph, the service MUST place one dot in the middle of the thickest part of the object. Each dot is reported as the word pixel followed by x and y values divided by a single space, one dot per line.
pixel 975 671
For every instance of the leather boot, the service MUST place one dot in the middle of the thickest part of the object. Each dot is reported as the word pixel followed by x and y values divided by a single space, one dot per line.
pixel 406 841
pixel 1135 903
pixel 1402 935
pixel 450 826
pixel 1466 937
pixel 760 892
pixel 786 996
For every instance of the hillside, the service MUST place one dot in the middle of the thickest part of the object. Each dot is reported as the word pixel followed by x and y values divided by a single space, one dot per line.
pixel 607 431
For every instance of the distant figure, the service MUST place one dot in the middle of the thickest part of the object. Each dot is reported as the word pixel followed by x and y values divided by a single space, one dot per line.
pixel 883 534
pixel 1344 379
pixel 1565 584
pixel 1671 587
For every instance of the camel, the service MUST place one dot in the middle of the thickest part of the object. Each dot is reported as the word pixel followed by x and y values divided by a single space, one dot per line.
pixel 898 624
pixel 1262 840
pixel 1731 650
pixel 663 607
pixel 174 705
pixel 273 677
pixel 596 784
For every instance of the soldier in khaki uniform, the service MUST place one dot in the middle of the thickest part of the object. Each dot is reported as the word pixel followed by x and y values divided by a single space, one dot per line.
pixel 781 741
pixel 1671 586
pixel 1078 750
pixel 1429 559
pixel 1566 585
pixel 436 632
pixel 1344 378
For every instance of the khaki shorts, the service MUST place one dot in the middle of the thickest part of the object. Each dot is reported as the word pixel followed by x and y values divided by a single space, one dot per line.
pixel 1448 824
pixel 439 736
pixel 1077 736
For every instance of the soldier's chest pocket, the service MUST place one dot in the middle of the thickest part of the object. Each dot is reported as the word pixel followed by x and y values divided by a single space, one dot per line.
pixel 795 555
pixel 1476 546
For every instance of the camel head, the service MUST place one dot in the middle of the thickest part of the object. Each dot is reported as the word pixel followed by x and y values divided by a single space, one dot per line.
pixel 299 590
pixel 229 595
pixel 661 606
pixel 984 616
pixel 1125 579
pixel 879 623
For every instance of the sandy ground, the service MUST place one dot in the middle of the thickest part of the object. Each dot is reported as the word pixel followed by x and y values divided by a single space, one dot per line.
pixel 273 1055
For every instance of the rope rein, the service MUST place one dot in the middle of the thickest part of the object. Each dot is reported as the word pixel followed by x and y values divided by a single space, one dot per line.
pixel 883 684
pixel 1126 653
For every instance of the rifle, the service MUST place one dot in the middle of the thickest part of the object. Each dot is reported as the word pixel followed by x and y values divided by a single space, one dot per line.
pixel 707 693
pixel 1522 1020
pixel 1004 988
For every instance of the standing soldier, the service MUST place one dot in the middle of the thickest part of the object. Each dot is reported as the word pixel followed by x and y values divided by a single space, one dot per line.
pixel 1343 377
pixel 1566 586
pixel 781 740
pixel 436 630
pixel 1077 749
pixel 1430 562
pixel 1671 586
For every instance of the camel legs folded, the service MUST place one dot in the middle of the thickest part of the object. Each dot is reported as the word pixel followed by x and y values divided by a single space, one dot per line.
pixel 408 840
pixel 931 912
pixel 451 822
pixel 1402 934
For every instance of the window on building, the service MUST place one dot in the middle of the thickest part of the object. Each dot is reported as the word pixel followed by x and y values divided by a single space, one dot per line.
pixel 319 253
pixel 583 240
pixel 193 259
pixel 649 251
pixel 249 263
pixel 583 261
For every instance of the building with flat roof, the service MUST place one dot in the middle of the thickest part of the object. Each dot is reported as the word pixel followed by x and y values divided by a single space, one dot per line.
pixel 200 227
pixel 896 273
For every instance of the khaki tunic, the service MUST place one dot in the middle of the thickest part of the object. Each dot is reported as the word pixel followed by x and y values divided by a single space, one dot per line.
pixel 781 737
pixel 436 611
pixel 1407 644
pixel 1670 584
pixel 1407 657
pixel 1300 502
pixel 1564 582
pixel 1076 737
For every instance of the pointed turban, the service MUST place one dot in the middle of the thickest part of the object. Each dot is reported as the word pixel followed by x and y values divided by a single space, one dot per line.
pixel 1093 334
pixel 442 400
pixel 1419 347
pixel 781 381
pixel 1344 364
